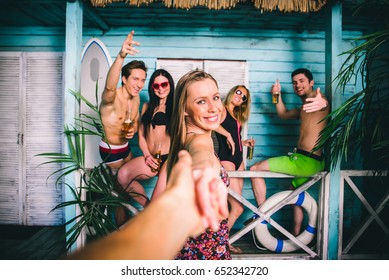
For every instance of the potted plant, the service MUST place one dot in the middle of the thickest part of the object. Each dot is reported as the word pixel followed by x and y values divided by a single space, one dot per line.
pixel 95 193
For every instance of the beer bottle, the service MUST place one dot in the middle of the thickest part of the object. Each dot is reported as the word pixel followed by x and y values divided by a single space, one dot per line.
pixel 157 156
pixel 276 94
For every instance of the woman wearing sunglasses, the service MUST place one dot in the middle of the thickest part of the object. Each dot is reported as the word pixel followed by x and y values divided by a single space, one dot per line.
pixel 154 138
pixel 235 113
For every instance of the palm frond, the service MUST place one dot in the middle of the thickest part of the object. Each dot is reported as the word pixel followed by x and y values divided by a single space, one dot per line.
pixel 79 97
pixel 358 127
pixel 95 195
pixel 94 122
pixel 94 211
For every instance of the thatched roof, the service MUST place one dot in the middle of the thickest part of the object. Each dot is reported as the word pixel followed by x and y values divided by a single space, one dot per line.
pixel 303 6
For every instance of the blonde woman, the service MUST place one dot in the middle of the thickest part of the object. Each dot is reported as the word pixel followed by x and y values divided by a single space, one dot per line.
pixel 235 113
pixel 197 111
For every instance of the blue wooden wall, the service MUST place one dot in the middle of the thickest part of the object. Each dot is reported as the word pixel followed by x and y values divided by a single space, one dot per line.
pixel 270 55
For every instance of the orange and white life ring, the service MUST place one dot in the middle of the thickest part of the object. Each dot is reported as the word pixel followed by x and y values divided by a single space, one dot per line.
pixel 279 245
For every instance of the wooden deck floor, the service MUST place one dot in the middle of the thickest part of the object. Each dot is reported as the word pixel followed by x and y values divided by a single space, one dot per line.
pixel 251 252
pixel 42 243
pixel 31 243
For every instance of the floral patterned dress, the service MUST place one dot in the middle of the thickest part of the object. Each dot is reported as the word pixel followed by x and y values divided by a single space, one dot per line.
pixel 209 245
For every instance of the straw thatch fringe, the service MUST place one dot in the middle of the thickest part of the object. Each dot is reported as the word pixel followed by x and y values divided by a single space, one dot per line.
pixel 303 6
pixel 179 4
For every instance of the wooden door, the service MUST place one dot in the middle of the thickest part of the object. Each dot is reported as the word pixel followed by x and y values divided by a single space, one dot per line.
pixel 31 121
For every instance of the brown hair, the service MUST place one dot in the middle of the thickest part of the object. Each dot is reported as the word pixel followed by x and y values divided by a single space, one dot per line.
pixel 135 64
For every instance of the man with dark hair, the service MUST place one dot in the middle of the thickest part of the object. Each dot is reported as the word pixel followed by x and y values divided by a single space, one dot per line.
pixel 120 106
pixel 302 161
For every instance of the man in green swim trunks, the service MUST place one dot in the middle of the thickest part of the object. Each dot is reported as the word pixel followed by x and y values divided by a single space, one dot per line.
pixel 300 162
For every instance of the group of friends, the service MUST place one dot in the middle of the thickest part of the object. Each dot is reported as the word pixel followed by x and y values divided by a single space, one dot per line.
pixel 190 213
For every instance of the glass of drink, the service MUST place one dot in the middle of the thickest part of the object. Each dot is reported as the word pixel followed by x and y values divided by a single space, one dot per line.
pixel 157 156
pixel 128 123
pixel 250 149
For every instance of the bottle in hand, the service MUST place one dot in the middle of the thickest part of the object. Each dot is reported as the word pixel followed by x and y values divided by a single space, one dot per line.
pixel 276 92
pixel 157 156
pixel 250 150
pixel 275 96
pixel 127 125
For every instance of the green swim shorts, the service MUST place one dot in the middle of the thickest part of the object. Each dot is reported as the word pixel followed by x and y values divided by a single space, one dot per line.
pixel 298 163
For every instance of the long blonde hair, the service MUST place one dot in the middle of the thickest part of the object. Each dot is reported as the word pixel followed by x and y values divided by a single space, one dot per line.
pixel 178 125
pixel 242 112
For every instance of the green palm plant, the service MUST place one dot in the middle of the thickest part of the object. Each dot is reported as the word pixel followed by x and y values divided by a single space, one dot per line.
pixel 359 127
pixel 97 192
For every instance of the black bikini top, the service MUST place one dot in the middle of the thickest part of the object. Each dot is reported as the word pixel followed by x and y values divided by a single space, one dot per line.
pixel 158 119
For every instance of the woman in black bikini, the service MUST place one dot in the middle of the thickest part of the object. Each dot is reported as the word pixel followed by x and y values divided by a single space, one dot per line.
pixel 235 113
pixel 153 138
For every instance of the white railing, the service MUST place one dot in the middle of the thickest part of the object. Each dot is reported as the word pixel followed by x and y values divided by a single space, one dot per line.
pixel 266 215
pixel 323 215
pixel 374 212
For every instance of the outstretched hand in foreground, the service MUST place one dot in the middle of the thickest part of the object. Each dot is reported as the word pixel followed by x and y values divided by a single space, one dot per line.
pixel 194 200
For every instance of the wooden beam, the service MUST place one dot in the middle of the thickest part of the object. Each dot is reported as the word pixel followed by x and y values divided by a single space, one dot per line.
pixel 332 65
pixel 73 49
pixel 90 11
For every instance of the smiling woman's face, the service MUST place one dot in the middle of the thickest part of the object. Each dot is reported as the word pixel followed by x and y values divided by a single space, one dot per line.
pixel 204 105
pixel 161 86
pixel 240 96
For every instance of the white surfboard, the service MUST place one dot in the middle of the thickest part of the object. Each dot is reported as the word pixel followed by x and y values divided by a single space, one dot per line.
pixel 95 63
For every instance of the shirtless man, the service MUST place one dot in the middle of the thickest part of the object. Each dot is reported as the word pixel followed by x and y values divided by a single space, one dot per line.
pixel 120 104
pixel 302 161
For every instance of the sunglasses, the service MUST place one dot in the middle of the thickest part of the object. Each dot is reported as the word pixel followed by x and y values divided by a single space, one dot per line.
pixel 162 85
pixel 244 97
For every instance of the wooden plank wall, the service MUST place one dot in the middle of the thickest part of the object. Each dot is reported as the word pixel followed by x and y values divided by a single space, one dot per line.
pixel 270 55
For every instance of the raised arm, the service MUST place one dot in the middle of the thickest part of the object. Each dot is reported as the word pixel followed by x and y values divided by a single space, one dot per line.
pixel 113 75
pixel 282 111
